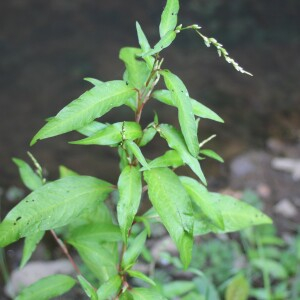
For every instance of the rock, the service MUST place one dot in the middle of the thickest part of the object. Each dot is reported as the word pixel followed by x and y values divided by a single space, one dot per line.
pixel 288 165
pixel 34 271
pixel 286 209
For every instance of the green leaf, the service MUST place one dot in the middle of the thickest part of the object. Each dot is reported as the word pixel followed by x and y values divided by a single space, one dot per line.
pixel 140 275
pixel 137 70
pixel 199 109
pixel 65 172
pixel 144 44
pixel 97 232
pixel 202 198
pixel 173 205
pixel 53 205
pixel 238 288
pixel 113 134
pixel 272 267
pixel 146 294
pixel 211 154
pixel 47 288
pixel 94 81
pixel 164 42
pixel 177 288
pixel 134 250
pixel 91 128
pixel 175 141
pixel 30 245
pixel 109 288
pixel 134 148
pixel 169 17
pixel 130 190
pixel 181 99
pixel 89 106
pixel 101 259
pixel 236 215
pixel 28 176
pixel 148 135
pixel 171 158
pixel 87 287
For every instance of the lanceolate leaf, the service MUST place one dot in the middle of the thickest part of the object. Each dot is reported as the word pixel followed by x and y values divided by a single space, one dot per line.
pixel 130 190
pixel 29 177
pixel 140 275
pixel 146 294
pixel 169 17
pixel 113 134
pixel 165 42
pixel 235 213
pixel 186 117
pixel 134 148
pixel 144 45
pixel 87 287
pixel 65 172
pixel 109 288
pixel 53 205
pixel 148 135
pixel 170 159
pixel 30 245
pixel 134 250
pixel 137 70
pixel 199 109
pixel 174 207
pixel 94 81
pixel 202 198
pixel 211 154
pixel 89 106
pixel 175 140
pixel 47 288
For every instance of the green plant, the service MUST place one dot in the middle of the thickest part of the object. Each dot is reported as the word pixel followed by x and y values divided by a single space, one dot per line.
pixel 73 206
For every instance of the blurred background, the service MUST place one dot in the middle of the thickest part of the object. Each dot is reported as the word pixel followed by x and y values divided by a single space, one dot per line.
pixel 48 47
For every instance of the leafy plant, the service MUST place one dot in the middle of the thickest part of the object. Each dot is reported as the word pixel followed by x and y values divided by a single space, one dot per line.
pixel 108 242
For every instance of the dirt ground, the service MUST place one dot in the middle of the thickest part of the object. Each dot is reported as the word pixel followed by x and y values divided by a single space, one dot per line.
pixel 46 48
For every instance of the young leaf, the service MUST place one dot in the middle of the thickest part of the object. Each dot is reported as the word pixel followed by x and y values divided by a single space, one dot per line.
pixel 140 275
pixel 148 135
pixel 97 232
pixel 238 288
pixel 144 45
pixel 30 245
pixel 164 42
pixel 28 176
pixel 87 287
pixel 211 154
pixel 134 148
pixel 89 106
pixel 175 141
pixel 47 288
pixel 171 158
pixel 146 294
pixel 169 17
pixel 134 250
pixel 113 134
pixel 53 205
pixel 199 109
pixel 130 190
pixel 91 128
pixel 109 288
pixel 201 197
pixel 174 207
pixel 180 98
pixel 137 70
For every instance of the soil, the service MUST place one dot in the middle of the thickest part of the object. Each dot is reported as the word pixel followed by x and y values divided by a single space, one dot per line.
pixel 46 48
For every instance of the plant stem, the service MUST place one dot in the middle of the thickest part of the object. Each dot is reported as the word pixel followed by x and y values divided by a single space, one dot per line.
pixel 65 251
